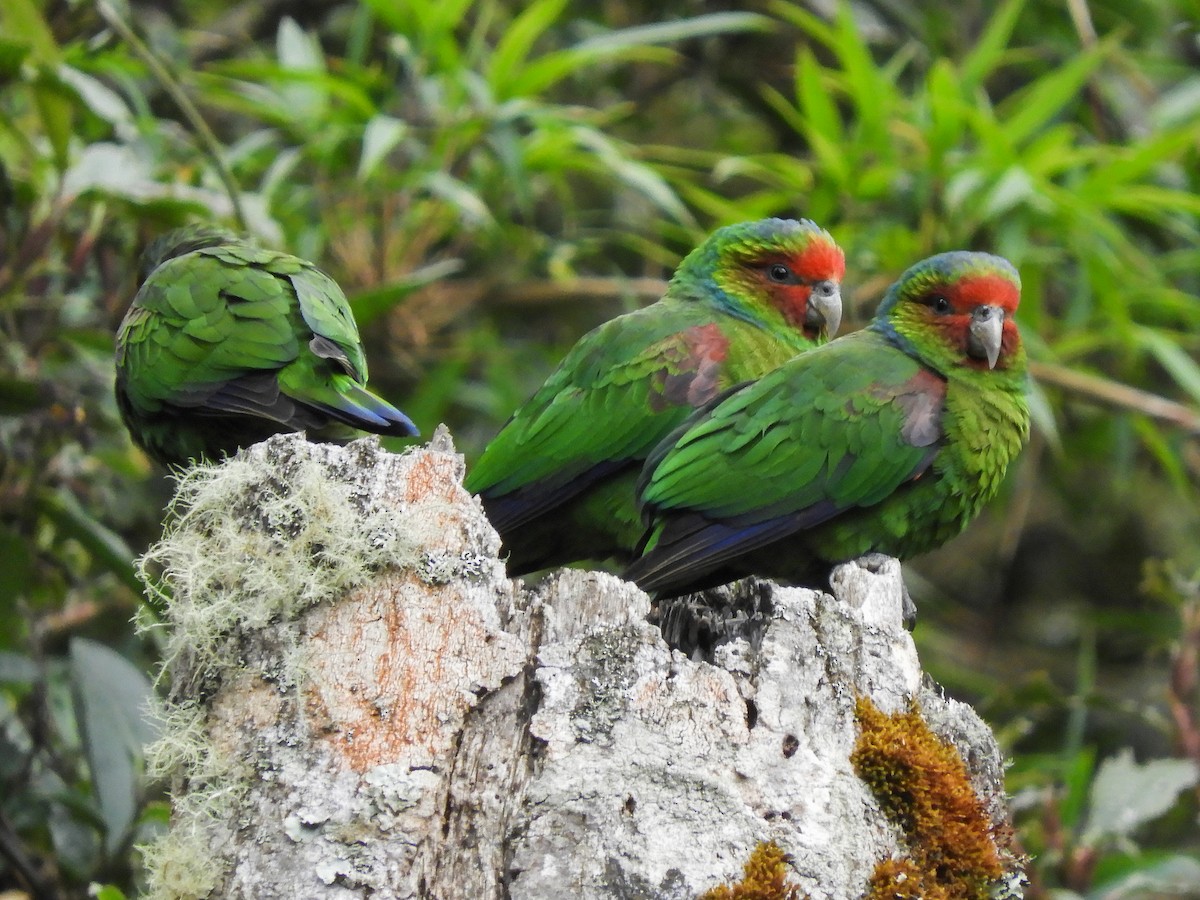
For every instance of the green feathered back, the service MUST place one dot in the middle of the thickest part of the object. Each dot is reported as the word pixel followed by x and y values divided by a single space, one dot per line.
pixel 889 440
pixel 558 480
pixel 226 344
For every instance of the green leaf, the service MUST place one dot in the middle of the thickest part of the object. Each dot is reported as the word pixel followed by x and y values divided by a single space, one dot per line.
pixel 371 304
pixel 1041 413
pixel 114 169
pixel 12 54
pixel 513 50
pixel 397 17
pixel 23 22
pixel 1077 777
pixel 97 96
pixel 990 48
pixel 820 112
pixel 1055 151
pixel 545 71
pixel 513 74
pixel 297 49
pixel 1151 201
pixel 1140 160
pixel 1178 105
pixel 62 508
pixel 440 20
pixel 112 700
pixel 813 25
pixel 1172 876
pixel 380 137
pixel 56 107
pixel 471 208
pixel 1050 94
pixel 633 174
pixel 1126 795
pixel 277 176
pixel 298 52
pixel 945 107
pixel 962 189
pixel 867 85
pixel 1015 188
pixel 1184 369
pixel 673 32
pixel 1159 448
pixel 785 109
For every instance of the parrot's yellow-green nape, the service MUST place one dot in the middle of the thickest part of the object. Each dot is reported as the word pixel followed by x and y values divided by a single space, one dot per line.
pixel 889 440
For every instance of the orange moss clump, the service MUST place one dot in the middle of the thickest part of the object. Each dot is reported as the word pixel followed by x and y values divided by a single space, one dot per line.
pixel 764 877
pixel 923 786
pixel 900 879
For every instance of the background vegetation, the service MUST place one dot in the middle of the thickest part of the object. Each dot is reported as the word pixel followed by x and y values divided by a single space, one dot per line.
pixel 488 179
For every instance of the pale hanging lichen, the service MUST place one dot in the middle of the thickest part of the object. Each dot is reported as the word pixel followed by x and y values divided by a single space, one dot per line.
pixel 251 542
pixel 257 539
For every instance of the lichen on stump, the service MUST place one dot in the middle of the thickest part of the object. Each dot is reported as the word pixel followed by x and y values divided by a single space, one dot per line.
pixel 362 704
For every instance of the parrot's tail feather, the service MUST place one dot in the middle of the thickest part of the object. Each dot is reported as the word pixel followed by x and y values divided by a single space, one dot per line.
pixel 680 554
pixel 515 507
pixel 356 406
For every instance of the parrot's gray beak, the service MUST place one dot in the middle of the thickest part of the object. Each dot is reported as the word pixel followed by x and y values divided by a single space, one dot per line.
pixel 985 333
pixel 825 307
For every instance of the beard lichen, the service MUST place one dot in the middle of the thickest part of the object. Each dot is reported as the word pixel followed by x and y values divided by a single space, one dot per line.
pixel 764 877
pixel 257 540
pixel 923 786
pixel 251 542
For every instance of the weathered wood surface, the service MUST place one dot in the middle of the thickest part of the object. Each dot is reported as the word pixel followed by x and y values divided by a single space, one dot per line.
pixel 433 729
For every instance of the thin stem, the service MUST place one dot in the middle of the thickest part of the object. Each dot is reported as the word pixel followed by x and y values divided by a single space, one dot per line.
pixel 13 850
pixel 1113 393
pixel 204 135
pixel 1081 17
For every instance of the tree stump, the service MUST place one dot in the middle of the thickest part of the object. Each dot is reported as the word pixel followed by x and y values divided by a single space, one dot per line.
pixel 362 704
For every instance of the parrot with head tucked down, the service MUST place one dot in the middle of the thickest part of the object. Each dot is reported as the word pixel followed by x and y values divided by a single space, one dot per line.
pixel 226 344
pixel 558 481
pixel 889 440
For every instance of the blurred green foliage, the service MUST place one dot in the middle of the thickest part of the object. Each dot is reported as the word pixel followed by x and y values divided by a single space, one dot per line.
pixel 489 179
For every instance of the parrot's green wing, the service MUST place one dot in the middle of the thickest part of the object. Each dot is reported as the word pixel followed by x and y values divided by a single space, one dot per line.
pixel 557 482
pixel 838 428
pixel 227 344
pixel 204 320
pixel 600 411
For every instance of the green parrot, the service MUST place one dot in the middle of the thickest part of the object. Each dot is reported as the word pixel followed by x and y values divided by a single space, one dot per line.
pixel 226 344
pixel 558 481
pixel 889 440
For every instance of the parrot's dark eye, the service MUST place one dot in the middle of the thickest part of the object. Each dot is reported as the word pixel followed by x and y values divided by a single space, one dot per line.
pixel 940 304
pixel 780 273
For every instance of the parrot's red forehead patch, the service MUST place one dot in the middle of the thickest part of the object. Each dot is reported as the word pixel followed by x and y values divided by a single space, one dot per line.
pixel 988 289
pixel 822 260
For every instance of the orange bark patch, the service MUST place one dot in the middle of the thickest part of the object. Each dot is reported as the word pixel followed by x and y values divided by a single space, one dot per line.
pixel 395 665
pixel 433 477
